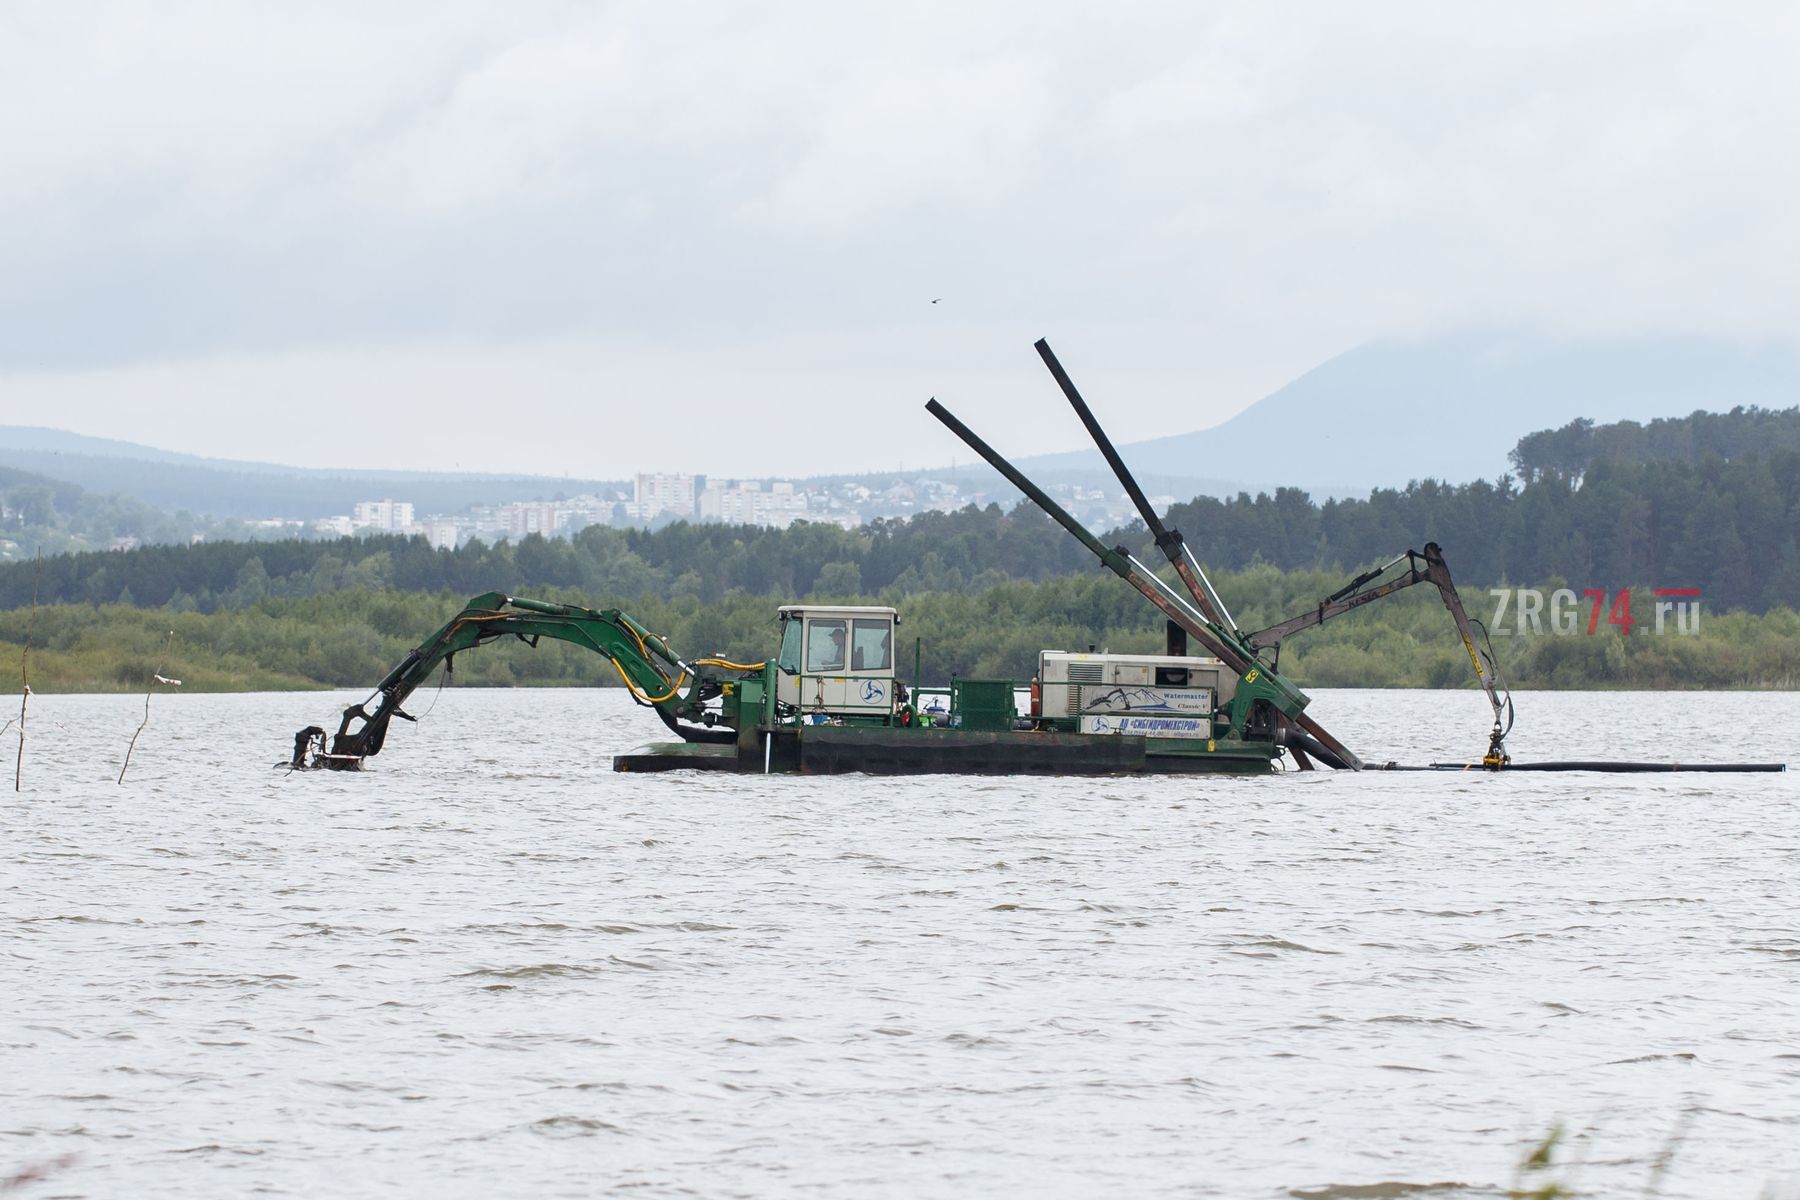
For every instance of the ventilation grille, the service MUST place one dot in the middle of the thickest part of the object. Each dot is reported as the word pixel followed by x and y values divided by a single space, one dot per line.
pixel 1087 672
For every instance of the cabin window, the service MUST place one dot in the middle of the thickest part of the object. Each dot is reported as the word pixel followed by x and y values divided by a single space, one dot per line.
pixel 789 659
pixel 824 646
pixel 872 646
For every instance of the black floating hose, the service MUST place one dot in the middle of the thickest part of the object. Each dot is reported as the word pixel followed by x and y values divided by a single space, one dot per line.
pixel 1632 767
pixel 1299 739
pixel 1613 768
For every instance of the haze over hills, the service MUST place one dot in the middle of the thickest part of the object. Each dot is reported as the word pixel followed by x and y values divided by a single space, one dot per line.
pixel 1376 416
pixel 1451 408
pixel 251 491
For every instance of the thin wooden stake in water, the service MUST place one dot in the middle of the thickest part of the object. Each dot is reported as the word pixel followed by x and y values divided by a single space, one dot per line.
pixel 156 677
pixel 25 672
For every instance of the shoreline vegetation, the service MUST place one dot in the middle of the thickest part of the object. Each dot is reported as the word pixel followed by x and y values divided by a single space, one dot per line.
pixel 1707 501
pixel 351 638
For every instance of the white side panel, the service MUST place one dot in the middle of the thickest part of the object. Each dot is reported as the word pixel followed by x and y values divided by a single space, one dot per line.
pixel 1167 701
pixel 846 694
pixel 1168 727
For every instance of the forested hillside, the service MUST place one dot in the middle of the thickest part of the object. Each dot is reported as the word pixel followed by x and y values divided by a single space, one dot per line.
pixel 1578 445
pixel 351 639
pixel 55 516
pixel 1727 527
pixel 984 590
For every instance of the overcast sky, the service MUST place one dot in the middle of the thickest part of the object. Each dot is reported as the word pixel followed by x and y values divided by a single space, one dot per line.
pixel 595 238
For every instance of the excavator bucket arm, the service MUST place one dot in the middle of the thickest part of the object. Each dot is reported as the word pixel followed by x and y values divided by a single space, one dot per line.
pixel 654 674
pixel 1426 566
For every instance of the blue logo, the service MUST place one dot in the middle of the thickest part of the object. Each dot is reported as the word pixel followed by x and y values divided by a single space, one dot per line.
pixel 872 691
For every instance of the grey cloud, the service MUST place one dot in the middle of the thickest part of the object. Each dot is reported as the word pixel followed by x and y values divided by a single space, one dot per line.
pixel 1202 200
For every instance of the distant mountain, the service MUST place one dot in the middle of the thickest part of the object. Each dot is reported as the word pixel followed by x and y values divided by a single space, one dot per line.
pixel 34 439
pixel 250 490
pixel 1452 408
pixel 1380 415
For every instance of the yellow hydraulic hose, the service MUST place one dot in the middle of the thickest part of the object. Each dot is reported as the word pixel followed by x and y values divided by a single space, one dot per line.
pixel 728 665
pixel 648 699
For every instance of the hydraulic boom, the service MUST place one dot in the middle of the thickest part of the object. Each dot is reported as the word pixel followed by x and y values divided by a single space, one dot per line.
pixel 1257 680
pixel 1205 616
pixel 1300 732
pixel 1425 566
pixel 654 674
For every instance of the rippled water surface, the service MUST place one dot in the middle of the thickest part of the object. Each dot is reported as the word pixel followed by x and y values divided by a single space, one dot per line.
pixel 489 966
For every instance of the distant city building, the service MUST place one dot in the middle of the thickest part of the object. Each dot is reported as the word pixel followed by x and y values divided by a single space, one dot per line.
pixel 727 500
pixel 781 505
pixel 658 497
pixel 654 495
pixel 520 520
pixel 483 521
pixel 744 502
pixel 578 512
pixel 439 532
pixel 390 516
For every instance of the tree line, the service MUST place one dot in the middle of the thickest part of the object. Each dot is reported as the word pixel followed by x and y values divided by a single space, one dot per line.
pixel 1575 447
pixel 351 639
pixel 1724 524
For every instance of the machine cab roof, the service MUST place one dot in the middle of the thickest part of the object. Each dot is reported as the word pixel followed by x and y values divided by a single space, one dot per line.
pixel 837 639
pixel 788 612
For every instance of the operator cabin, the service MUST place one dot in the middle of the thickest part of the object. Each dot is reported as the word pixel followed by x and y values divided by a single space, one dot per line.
pixel 837 659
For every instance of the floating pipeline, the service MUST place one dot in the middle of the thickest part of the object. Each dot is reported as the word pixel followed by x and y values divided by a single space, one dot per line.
pixel 1613 768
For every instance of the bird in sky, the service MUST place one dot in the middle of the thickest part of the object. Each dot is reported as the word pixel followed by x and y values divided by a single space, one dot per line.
pixel 939 298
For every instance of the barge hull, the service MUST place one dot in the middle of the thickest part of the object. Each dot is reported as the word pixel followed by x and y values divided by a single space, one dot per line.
pixel 838 750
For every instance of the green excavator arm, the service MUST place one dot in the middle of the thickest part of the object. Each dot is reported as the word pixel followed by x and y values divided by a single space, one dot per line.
pixel 1425 566
pixel 654 674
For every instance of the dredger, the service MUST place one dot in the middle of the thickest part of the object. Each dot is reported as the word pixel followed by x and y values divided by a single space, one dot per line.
pixel 833 698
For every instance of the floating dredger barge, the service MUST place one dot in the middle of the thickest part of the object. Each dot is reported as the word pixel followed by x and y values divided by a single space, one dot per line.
pixel 833 698
pixel 831 701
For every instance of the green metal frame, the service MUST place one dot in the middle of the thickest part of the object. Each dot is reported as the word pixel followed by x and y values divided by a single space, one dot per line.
pixel 653 672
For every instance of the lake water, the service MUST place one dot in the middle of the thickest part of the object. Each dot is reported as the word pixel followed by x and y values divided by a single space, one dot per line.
pixel 489 966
